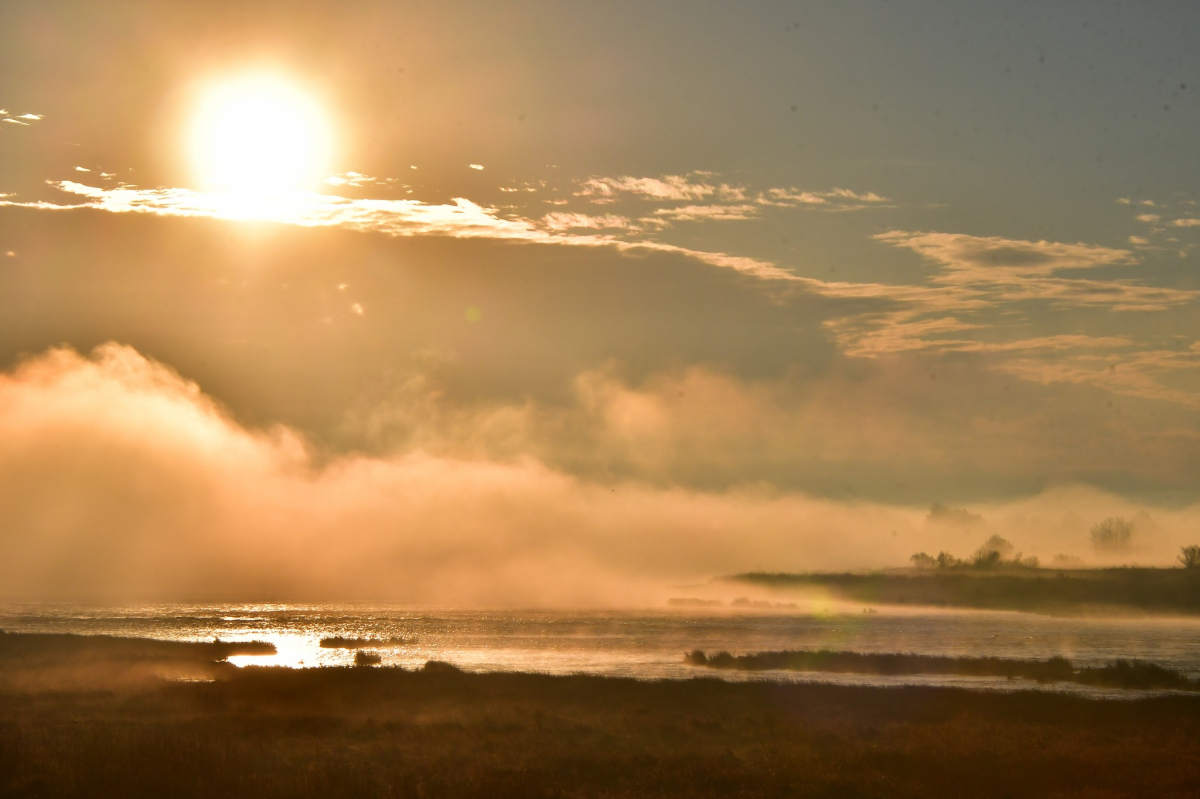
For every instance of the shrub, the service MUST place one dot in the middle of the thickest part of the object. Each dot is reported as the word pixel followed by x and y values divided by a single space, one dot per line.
pixel 985 558
pixel 1190 557
pixel 364 658
pixel 1114 534
pixel 440 667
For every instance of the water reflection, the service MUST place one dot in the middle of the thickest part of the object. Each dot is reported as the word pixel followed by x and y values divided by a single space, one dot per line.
pixel 643 644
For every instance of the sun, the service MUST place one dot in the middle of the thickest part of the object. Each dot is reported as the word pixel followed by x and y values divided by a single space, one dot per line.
pixel 259 134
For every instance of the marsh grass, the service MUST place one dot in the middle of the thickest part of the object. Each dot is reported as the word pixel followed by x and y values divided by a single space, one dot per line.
pixel 364 658
pixel 1118 674
pixel 338 642
pixel 263 733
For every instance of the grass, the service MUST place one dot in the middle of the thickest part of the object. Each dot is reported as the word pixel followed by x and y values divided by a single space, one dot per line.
pixel 1138 590
pixel 338 642
pixel 365 658
pixel 438 732
pixel 1118 674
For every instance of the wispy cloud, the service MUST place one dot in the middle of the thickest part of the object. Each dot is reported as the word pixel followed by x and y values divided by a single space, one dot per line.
pixel 565 221
pixel 462 219
pixel 1013 270
pixel 961 306
pixel 992 258
pixel 358 180
pixel 694 213
pixel 978 286
pixel 835 199
pixel 668 187
pixel 699 186
pixel 20 119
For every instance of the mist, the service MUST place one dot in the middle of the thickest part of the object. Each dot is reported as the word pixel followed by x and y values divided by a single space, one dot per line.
pixel 121 480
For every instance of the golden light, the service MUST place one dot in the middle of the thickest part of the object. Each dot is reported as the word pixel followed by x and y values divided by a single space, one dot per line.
pixel 259 135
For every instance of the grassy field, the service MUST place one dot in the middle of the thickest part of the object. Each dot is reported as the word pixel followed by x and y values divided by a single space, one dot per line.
pixel 367 732
pixel 1136 590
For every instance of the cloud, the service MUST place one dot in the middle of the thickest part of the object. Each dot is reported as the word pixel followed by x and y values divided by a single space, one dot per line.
pixel 358 180
pixel 988 259
pixel 834 200
pixel 669 187
pixel 121 480
pixel 793 196
pixel 680 188
pixel 1188 222
pixel 462 219
pixel 565 221
pixel 868 197
pixel 976 277
pixel 981 281
pixel 1012 270
pixel 694 213
pixel 20 119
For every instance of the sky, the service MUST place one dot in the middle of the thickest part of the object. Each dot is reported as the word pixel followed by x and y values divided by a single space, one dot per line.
pixel 565 302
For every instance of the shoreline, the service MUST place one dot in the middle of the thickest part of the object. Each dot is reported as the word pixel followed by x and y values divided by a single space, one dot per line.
pixel 82 661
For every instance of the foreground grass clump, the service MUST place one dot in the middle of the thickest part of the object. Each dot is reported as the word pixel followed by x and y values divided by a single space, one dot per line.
pixel 1118 674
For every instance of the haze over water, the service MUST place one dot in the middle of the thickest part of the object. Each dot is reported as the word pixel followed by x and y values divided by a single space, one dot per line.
pixel 646 644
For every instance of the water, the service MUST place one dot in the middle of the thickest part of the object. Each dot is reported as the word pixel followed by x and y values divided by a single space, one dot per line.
pixel 644 644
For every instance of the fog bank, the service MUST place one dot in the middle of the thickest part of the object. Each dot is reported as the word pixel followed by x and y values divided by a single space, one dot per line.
pixel 119 479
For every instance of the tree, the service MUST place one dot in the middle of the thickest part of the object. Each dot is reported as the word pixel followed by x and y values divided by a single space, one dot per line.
pixel 922 560
pixel 1190 557
pixel 985 558
pixel 947 561
pixel 1114 534
pixel 998 545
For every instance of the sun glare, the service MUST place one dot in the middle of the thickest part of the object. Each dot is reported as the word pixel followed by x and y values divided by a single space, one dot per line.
pixel 259 135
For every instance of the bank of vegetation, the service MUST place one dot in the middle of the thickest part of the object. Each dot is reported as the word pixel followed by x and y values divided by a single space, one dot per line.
pixel 1128 589
pixel 1117 674
pixel 994 579
pixel 338 642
